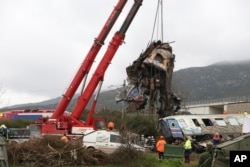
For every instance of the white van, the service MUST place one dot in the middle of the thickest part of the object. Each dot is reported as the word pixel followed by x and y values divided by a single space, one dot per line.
pixel 107 141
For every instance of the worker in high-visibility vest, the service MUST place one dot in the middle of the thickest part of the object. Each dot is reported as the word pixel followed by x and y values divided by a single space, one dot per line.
pixel 111 125
pixel 160 147
pixel 188 149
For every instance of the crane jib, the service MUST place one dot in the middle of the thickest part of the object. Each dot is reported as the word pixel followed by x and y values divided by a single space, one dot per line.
pixel 88 61
pixel 100 70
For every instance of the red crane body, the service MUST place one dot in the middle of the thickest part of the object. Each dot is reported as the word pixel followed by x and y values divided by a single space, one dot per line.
pixel 89 59
pixel 103 65
pixel 58 123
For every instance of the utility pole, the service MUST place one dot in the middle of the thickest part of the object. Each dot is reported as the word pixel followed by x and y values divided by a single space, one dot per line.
pixel 123 96
pixel 123 102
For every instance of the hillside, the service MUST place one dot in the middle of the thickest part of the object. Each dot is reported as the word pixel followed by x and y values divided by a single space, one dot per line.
pixel 106 100
pixel 219 80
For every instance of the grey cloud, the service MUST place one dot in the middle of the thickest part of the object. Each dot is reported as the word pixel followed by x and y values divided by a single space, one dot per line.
pixel 42 43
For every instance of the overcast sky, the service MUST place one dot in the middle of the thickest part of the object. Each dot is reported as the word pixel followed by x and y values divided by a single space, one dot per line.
pixel 44 42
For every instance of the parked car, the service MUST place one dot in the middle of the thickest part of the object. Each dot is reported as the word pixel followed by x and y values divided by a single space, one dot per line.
pixel 106 141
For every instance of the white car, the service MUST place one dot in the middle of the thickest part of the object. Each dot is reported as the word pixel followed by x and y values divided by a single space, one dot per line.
pixel 106 141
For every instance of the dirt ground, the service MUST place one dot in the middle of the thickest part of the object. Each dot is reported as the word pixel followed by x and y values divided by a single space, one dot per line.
pixel 194 158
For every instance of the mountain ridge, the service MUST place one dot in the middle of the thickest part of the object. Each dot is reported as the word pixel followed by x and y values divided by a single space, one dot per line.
pixel 219 80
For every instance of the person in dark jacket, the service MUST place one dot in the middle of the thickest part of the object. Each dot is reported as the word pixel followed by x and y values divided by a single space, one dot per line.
pixel 216 139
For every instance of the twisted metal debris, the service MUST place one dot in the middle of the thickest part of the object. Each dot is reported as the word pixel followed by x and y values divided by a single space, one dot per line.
pixel 150 79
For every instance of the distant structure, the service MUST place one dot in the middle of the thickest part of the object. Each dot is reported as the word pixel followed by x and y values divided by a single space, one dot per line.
pixel 27 114
pixel 235 105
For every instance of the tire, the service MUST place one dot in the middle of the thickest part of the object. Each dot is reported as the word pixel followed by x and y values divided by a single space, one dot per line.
pixel 91 149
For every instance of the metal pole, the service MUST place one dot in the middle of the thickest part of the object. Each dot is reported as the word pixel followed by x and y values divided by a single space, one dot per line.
pixel 122 110
pixel 123 102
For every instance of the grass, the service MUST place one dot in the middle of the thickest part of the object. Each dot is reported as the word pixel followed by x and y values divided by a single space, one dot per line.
pixel 151 160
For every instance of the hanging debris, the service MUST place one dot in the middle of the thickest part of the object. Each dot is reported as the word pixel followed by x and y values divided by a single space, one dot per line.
pixel 150 79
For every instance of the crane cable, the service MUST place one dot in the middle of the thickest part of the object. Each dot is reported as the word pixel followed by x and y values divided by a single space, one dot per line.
pixel 158 27
pixel 158 20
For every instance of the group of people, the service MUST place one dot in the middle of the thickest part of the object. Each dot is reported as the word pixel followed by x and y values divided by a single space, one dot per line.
pixel 160 147
pixel 205 158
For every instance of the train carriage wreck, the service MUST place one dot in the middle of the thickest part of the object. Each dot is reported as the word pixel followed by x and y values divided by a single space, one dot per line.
pixel 150 79
pixel 202 127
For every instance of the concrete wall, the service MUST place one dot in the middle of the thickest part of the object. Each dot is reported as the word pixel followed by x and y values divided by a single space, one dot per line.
pixel 233 108
pixel 215 110
pixel 199 110
pixel 238 107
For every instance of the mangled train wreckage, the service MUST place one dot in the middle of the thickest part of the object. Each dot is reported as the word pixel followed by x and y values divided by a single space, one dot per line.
pixel 201 128
pixel 149 80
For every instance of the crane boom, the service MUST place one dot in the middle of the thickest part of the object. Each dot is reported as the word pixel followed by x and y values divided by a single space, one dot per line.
pixel 61 124
pixel 88 61
pixel 100 70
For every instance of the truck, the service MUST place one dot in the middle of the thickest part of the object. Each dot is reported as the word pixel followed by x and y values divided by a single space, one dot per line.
pixel 107 140
pixel 58 123
pixel 28 114
pixel 15 135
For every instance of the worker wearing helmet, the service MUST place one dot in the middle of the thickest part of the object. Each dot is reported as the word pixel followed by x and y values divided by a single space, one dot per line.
pixel 3 130
pixel 160 146
pixel 111 125
pixel 3 126
pixel 64 138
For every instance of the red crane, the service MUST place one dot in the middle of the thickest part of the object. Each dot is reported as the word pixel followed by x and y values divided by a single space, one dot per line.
pixel 72 124
pixel 89 59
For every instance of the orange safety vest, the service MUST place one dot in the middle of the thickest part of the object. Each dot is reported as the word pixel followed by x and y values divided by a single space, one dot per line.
pixel 160 145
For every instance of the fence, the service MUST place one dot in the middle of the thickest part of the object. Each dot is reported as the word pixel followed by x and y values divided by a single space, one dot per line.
pixel 3 153
pixel 220 100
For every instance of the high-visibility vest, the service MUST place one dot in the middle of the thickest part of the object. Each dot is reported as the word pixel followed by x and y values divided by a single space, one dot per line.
pixel 187 144
pixel 160 145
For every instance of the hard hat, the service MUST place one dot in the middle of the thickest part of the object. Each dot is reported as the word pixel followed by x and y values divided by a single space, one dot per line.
pixel 3 126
